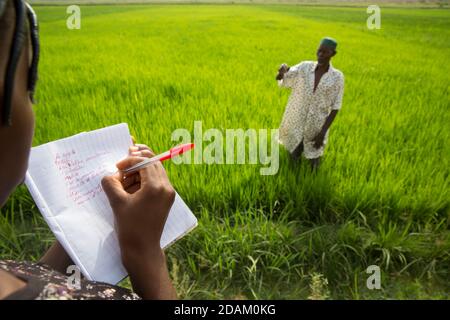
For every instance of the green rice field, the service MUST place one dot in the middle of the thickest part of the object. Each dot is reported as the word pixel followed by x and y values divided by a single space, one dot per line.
pixel 381 196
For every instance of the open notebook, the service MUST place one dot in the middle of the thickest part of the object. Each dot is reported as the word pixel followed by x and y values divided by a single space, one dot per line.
pixel 64 179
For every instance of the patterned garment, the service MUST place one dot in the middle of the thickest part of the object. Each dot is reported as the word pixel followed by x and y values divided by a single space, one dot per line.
pixel 307 111
pixel 44 283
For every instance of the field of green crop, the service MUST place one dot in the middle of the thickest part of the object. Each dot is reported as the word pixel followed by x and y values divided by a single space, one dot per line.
pixel 381 197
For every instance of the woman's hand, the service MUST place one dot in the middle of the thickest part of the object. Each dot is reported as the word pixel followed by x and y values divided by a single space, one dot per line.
pixel 140 150
pixel 141 203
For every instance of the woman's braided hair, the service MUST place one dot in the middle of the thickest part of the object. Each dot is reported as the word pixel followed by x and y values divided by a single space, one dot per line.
pixel 25 20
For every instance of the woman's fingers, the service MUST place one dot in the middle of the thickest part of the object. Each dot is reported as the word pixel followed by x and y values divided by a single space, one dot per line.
pixel 131 180
pixel 142 146
pixel 143 153
pixel 129 162
pixel 141 150
pixel 133 188
pixel 114 189
pixel 146 176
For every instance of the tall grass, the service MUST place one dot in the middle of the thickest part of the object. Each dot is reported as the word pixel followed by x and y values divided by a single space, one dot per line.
pixel 381 196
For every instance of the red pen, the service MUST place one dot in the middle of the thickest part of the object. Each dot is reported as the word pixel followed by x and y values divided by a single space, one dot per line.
pixel 175 151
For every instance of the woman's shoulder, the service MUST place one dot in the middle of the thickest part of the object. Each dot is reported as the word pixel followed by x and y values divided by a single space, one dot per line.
pixel 44 283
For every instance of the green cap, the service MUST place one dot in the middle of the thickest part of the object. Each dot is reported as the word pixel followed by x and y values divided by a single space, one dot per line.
pixel 329 42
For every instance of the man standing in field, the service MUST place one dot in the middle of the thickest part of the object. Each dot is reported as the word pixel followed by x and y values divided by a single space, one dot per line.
pixel 317 90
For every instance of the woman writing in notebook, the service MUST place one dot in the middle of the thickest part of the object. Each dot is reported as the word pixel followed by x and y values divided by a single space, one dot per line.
pixel 140 203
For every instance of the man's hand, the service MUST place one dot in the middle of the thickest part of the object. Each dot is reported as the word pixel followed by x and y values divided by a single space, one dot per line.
pixel 141 203
pixel 318 140
pixel 281 71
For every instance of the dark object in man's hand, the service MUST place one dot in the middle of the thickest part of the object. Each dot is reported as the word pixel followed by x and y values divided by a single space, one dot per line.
pixel 283 69
pixel 318 140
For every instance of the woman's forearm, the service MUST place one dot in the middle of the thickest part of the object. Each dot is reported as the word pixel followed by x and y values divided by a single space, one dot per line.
pixel 149 276
pixel 57 258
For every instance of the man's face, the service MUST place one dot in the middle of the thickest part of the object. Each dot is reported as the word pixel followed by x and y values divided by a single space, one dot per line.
pixel 324 54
